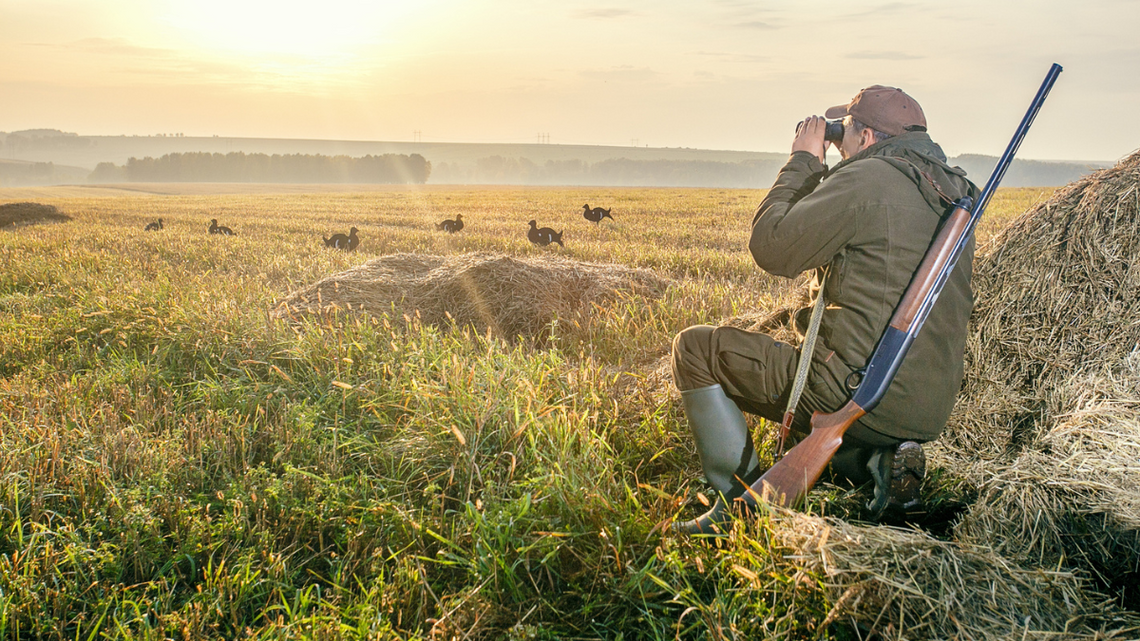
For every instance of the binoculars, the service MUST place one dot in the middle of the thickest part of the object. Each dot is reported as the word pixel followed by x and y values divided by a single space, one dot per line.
pixel 833 133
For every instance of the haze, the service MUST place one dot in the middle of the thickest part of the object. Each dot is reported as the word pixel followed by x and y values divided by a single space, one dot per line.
pixel 723 74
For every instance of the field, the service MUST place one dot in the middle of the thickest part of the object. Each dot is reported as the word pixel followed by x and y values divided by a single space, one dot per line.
pixel 176 461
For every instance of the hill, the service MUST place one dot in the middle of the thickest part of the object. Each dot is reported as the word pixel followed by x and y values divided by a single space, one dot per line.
pixel 25 173
pixel 492 163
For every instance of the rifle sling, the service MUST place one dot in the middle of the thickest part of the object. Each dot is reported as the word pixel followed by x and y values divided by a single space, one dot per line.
pixel 806 350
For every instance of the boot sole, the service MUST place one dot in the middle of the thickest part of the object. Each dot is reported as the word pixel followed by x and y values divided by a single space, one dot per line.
pixel 907 472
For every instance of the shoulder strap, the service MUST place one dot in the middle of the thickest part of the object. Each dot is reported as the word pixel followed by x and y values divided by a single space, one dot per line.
pixel 804 365
pixel 925 175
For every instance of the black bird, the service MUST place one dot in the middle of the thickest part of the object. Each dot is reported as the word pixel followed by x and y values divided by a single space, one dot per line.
pixel 451 226
pixel 543 236
pixel 340 241
pixel 155 226
pixel 596 214
pixel 215 228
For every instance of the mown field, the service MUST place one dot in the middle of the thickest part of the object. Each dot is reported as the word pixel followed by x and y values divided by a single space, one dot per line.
pixel 177 462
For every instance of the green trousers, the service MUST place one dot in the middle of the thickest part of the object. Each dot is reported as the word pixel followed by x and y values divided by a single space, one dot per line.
pixel 757 372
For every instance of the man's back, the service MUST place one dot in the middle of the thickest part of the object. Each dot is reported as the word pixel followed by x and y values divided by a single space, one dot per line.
pixel 871 220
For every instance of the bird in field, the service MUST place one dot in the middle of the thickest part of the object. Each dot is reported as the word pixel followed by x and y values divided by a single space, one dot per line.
pixel 340 241
pixel 543 236
pixel 451 226
pixel 596 214
pixel 155 226
pixel 215 228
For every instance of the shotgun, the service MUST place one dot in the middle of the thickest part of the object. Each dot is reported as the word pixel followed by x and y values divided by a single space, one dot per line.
pixel 789 480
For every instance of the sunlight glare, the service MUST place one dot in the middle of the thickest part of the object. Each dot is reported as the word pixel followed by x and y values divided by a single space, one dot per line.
pixel 286 27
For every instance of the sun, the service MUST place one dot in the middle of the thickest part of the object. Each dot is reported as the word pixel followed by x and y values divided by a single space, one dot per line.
pixel 286 27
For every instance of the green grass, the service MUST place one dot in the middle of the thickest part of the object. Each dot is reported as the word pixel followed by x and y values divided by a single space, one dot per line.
pixel 176 463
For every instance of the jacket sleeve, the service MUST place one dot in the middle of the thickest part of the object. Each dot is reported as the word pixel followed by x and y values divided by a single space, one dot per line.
pixel 800 225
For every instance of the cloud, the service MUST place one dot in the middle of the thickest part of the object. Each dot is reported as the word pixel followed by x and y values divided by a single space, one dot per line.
pixel 882 55
pixel 624 73
pixel 756 25
pixel 119 59
pixel 604 13
pixel 108 46
pixel 890 7
pixel 724 56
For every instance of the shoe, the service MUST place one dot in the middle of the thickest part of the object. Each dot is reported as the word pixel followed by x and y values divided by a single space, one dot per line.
pixel 726 450
pixel 898 472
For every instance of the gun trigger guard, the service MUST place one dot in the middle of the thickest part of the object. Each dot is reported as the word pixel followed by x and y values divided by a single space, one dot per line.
pixel 855 378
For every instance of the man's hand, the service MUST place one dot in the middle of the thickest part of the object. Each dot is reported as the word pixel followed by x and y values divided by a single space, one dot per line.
pixel 809 137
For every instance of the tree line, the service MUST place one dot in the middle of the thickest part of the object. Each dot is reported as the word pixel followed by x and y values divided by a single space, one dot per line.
pixel 753 173
pixel 616 172
pixel 291 168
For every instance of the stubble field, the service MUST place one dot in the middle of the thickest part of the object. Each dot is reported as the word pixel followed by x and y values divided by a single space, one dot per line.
pixel 176 461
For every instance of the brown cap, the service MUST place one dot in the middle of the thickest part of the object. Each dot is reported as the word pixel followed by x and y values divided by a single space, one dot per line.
pixel 886 109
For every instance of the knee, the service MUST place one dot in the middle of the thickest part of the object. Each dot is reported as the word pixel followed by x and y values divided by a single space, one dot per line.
pixel 691 353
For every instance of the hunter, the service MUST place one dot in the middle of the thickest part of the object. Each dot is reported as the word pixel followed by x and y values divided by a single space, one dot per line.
pixel 863 227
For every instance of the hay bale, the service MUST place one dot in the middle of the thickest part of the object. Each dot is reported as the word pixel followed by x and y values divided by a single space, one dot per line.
pixel 1072 496
pixel 1058 293
pixel 902 584
pixel 1047 427
pixel 510 297
pixel 19 214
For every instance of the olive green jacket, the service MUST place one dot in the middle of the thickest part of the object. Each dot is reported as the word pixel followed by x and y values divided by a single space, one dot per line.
pixel 869 221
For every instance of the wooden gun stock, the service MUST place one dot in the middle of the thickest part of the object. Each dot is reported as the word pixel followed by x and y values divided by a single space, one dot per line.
pixel 789 480
pixel 933 264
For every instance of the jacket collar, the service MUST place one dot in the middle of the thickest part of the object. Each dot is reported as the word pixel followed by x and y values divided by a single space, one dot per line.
pixel 923 162
pixel 915 146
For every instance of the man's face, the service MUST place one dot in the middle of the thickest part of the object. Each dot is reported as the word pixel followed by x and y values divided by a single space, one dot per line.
pixel 852 140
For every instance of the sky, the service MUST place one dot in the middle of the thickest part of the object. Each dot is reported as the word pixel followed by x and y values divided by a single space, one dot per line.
pixel 717 74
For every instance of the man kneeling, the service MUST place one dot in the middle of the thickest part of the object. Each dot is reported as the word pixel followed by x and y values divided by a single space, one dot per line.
pixel 866 224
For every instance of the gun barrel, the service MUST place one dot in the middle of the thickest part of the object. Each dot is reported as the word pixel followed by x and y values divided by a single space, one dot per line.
pixel 1014 144
pixel 936 267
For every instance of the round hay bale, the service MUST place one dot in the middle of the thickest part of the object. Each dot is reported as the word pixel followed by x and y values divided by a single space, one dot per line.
pixel 510 297
pixel 1047 426
pixel 1072 497
pixel 1058 293
pixel 19 214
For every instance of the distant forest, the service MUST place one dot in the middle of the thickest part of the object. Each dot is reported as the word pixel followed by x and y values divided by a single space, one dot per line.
pixel 616 172
pixel 263 168
pixel 14 173
pixel 756 173
pixel 52 157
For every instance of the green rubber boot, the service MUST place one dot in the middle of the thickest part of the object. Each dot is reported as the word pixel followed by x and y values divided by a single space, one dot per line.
pixel 727 454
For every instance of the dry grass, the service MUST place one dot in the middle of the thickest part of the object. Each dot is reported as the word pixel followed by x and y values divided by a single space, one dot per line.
pixel 510 297
pixel 1069 498
pixel 20 214
pixel 903 584
pixel 1047 428
pixel 215 471
pixel 1058 293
